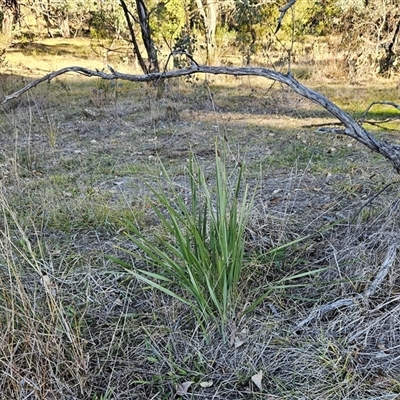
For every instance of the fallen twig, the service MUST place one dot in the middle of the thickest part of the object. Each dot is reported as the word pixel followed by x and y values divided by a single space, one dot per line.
pixel 325 126
pixel 383 271
pixel 352 301
pixel 373 198
pixel 322 310
pixel 388 103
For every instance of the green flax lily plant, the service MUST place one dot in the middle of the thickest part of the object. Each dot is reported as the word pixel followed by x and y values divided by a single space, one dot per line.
pixel 201 248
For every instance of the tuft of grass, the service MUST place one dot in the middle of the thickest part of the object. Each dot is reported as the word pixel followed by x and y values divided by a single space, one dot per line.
pixel 204 248
pixel 39 336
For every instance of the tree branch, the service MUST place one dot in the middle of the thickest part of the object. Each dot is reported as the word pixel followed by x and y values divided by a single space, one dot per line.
pixel 350 302
pixel 387 103
pixel 133 40
pixel 283 11
pixel 352 128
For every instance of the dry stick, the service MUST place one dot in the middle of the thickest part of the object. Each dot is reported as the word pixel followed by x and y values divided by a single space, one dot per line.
pixel 353 129
pixel 348 302
pixel 387 103
pixel 374 122
pixel 373 198
pixel 383 271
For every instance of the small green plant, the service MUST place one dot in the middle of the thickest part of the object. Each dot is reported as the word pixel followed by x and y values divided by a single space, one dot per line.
pixel 204 246
pixel 105 396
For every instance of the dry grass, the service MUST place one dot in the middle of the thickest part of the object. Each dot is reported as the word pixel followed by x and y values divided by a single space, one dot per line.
pixel 75 326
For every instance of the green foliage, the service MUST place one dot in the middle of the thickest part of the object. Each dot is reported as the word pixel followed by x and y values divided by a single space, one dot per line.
pixel 167 20
pixel 204 248
pixel 253 21
pixel 313 17
pixel 224 37
pixel 103 25
pixel 106 21
pixel 185 43
pixel 200 244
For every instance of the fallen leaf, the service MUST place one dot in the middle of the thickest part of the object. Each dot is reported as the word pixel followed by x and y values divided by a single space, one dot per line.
pixel 275 199
pixel 46 281
pixel 239 342
pixel 182 388
pixel 49 286
pixel 90 113
pixel 240 338
pixel 206 384
pixel 257 379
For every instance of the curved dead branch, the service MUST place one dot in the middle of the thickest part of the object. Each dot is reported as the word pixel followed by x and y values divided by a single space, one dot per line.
pixel 352 128
pixel 387 103
pixel 353 301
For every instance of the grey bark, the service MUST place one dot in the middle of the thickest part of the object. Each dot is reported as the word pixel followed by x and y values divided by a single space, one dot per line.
pixel 142 19
pixel 134 42
pixel 151 50
pixel 209 15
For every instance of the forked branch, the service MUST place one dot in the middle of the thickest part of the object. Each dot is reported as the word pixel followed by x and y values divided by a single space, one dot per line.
pixel 353 301
pixel 387 103
pixel 352 128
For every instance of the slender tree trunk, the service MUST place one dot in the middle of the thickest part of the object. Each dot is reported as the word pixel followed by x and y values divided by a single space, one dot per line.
pixel 45 12
pixel 64 24
pixel 209 15
pixel 151 50
pixel 387 61
pixel 11 14
pixel 135 46
pixel 6 26
pixel 143 20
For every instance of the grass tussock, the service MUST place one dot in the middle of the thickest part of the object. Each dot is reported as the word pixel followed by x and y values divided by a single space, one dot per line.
pixel 203 246
pixel 323 222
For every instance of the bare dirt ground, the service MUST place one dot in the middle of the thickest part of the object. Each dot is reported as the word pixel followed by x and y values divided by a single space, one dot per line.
pixel 74 158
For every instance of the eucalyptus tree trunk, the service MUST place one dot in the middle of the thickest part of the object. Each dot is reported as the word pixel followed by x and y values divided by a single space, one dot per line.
pixel 209 15
pixel 10 9
pixel 63 22
pixel 142 18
